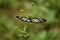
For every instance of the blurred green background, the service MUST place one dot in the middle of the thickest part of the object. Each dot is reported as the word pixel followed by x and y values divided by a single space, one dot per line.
pixel 13 29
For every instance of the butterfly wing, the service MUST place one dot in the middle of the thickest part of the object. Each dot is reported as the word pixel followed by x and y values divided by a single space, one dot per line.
pixel 34 20
pixel 23 19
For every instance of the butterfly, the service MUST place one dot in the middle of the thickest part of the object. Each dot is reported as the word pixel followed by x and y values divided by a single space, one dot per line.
pixel 34 20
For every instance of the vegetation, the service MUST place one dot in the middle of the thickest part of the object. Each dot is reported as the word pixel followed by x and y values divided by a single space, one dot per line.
pixel 13 29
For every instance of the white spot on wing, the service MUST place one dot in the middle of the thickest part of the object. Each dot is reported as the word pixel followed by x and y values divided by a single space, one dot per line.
pixel 35 20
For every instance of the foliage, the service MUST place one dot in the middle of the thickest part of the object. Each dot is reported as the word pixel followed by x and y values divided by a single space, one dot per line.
pixel 14 29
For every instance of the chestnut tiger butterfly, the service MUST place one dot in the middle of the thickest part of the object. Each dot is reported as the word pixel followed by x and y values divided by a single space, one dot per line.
pixel 34 20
